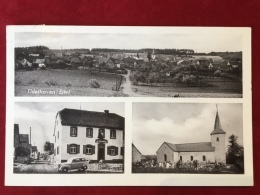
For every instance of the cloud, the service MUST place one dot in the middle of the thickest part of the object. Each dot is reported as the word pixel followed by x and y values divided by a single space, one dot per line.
pixel 149 133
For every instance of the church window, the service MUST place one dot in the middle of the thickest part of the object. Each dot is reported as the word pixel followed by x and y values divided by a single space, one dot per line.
pixel 204 158
pixel 217 139
pixel 191 158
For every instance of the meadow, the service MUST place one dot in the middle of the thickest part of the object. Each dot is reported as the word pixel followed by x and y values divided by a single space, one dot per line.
pixel 68 82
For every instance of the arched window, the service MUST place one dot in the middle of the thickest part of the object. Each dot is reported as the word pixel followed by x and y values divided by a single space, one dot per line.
pixel 204 158
pixel 191 158
pixel 217 139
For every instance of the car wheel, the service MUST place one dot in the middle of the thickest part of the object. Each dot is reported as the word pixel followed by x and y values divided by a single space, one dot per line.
pixel 65 170
pixel 83 169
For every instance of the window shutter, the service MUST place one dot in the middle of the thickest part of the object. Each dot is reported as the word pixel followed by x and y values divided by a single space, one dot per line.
pixel 77 149
pixel 122 151
pixel 76 131
pixel 108 150
pixel 91 132
pixel 115 133
pixel 111 133
pixel 84 149
pixel 70 131
pixel 93 149
pixel 68 148
pixel 116 150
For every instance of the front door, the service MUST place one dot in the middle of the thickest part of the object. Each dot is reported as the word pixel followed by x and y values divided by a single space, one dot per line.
pixel 101 152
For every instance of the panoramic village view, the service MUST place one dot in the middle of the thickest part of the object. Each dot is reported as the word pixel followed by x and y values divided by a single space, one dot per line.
pixel 42 70
pixel 187 138
pixel 68 138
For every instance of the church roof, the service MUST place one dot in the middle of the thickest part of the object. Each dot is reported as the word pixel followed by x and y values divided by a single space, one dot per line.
pixel 217 126
pixel 192 147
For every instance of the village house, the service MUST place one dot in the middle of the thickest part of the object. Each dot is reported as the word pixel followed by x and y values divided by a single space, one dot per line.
pixel 129 62
pixel 95 135
pixel 213 151
pixel 183 62
pixel 113 63
pixel 136 154
pixel 22 146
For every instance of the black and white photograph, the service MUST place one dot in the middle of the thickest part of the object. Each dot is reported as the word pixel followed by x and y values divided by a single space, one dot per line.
pixel 191 138
pixel 68 138
pixel 186 64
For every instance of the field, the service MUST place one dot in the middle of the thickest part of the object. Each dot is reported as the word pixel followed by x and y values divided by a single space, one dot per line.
pixel 64 83
pixel 218 89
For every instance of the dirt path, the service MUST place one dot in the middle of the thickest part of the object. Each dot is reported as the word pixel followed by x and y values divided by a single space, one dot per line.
pixel 128 88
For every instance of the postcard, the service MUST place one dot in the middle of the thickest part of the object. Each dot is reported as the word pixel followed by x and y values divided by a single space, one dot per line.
pixel 128 106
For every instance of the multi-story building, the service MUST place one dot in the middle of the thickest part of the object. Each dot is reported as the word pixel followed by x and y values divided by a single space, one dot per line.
pixel 94 135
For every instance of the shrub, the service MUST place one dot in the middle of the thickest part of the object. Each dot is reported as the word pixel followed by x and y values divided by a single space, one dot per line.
pixel 93 83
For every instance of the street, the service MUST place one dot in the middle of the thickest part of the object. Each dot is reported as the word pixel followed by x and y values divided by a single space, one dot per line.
pixel 38 166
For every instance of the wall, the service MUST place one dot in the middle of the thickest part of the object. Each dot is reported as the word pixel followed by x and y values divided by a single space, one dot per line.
pixel 136 155
pixel 166 150
pixel 210 156
pixel 81 140
pixel 220 147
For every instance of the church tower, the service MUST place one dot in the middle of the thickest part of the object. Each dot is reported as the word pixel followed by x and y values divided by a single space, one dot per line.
pixel 218 141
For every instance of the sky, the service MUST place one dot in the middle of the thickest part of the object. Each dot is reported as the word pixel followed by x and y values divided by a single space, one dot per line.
pixel 41 117
pixel 198 42
pixel 155 123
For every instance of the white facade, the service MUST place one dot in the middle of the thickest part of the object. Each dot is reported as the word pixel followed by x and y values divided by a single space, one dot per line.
pixel 64 143
pixel 165 153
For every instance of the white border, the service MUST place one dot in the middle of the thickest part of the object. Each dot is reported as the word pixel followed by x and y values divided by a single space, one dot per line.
pixel 129 179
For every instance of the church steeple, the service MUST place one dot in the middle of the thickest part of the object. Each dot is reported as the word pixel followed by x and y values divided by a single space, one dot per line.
pixel 217 126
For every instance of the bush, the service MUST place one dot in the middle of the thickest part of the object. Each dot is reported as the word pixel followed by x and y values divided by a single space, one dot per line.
pixel 93 83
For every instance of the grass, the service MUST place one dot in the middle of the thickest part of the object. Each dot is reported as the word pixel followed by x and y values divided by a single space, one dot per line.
pixel 218 89
pixel 77 81
pixel 176 170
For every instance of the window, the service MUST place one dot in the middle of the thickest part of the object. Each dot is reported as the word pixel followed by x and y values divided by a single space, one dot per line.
pixel 181 158
pixel 112 134
pixel 88 149
pixel 73 131
pixel 204 158
pixel 57 150
pixel 165 157
pixel 73 148
pixel 89 132
pixel 191 158
pixel 112 150
pixel 217 139
pixel 101 133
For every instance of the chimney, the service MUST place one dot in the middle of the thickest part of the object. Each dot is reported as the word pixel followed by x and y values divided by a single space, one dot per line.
pixel 106 111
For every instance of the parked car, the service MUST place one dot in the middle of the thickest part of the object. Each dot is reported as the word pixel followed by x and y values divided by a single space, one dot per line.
pixel 74 163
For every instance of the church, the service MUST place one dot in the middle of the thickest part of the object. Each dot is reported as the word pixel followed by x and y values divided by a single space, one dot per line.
pixel 213 151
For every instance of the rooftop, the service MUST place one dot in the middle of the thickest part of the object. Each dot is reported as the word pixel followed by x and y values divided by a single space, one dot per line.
pixel 72 117
pixel 192 147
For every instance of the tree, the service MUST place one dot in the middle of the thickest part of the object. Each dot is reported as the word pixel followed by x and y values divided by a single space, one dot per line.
pixel 235 153
pixel 149 56
pixel 48 147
